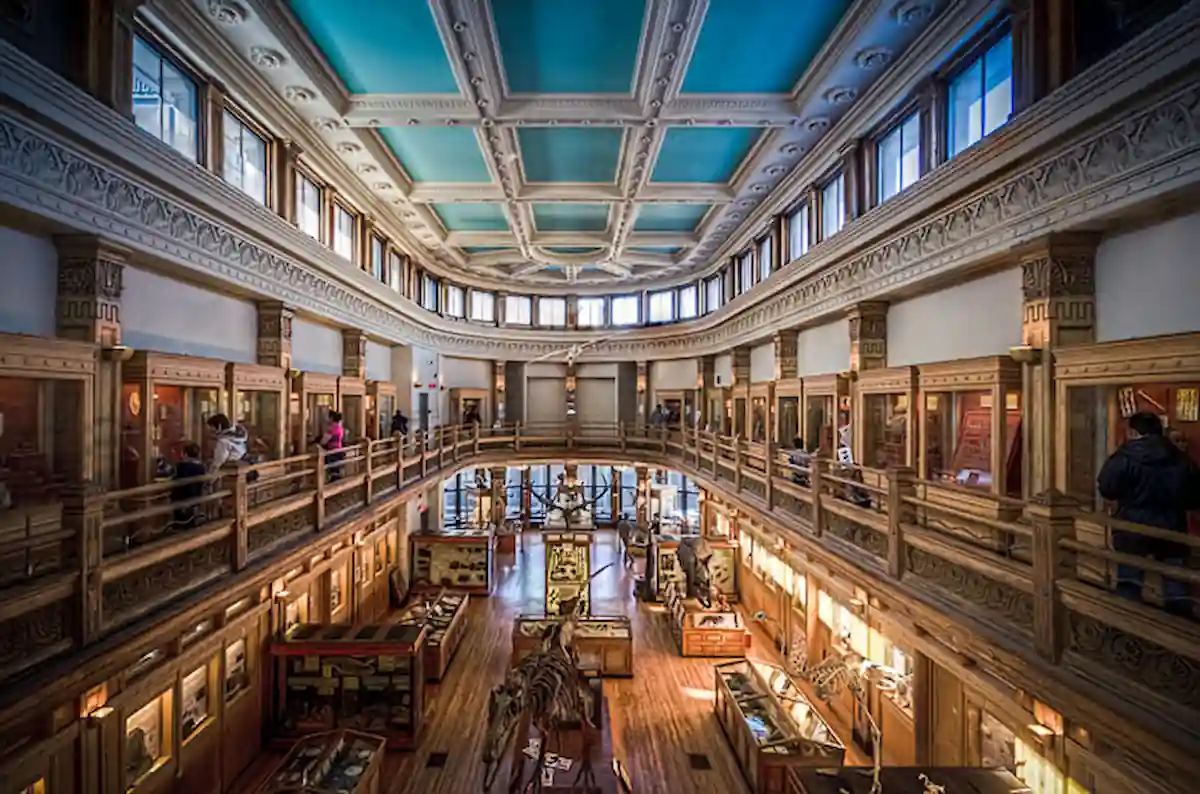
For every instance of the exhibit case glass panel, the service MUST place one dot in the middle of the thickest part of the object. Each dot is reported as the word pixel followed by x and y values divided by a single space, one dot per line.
pixel 461 559
pixel 193 708
pixel 147 739
pixel 41 438
pixel 347 762
pixel 758 419
pixel 237 672
pixel 788 419
pixel 885 430
pixel 959 436
pixel 259 412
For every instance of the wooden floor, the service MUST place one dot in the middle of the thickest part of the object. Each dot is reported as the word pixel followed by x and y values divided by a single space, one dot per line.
pixel 660 717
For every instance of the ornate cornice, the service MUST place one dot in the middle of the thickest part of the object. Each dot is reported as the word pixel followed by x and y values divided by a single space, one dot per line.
pixel 1096 154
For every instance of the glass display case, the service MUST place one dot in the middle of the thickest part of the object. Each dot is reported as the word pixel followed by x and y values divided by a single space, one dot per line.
pixel 166 402
pixel 343 761
pixel 884 400
pixel 194 709
pixel 148 740
pixel 381 407
pixel 672 401
pixel 352 396
pixel 663 564
pixel 258 395
pixel 971 424
pixel 568 570
pixel 826 411
pixel 788 396
pixel 444 618
pixel 469 407
pixel 760 396
pixel 738 410
pixel 363 677
pixel 314 395
pixel 771 725
pixel 604 645
pixel 461 559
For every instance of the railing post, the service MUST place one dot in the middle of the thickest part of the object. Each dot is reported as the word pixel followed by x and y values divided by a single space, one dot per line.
pixel 454 443
pixel 241 528
pixel 422 436
pixel 319 497
pixel 399 461
pixel 1052 516
pixel 440 434
pixel 621 433
pixel 716 452
pixel 815 465
pixel 769 468
pixel 368 489
pixel 737 463
pixel 517 437
pixel 83 513
pixel 901 485
pixel 478 434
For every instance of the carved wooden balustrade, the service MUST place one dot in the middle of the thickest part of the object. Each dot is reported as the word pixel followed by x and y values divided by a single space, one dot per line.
pixel 1038 578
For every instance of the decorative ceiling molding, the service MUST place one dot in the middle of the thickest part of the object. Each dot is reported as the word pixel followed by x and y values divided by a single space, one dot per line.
pixel 1122 135
pixel 670 30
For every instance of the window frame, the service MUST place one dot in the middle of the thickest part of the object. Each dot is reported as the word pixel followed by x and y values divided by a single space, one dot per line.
pixel 672 307
pixel 621 300
pixel 258 131
pixel 805 207
pixel 525 301
pixel 745 270
pixel 764 245
pixel 430 286
pixel 336 206
pixel 717 280
pixel 166 51
pixel 694 290
pixel 837 176
pixel 544 301
pixel 472 295
pixel 304 175
pixel 591 300
pixel 896 124
pixel 395 261
pixel 452 292
pixel 379 270
pixel 959 62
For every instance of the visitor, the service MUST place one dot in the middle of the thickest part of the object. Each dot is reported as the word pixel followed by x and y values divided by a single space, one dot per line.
pixel 190 468
pixel 331 441
pixel 399 424
pixel 1154 484
pixel 801 461
pixel 658 417
pixel 232 441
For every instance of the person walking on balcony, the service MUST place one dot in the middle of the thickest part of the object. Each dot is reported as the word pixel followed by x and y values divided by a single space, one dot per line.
pixel 399 424
pixel 331 441
pixel 190 468
pixel 658 417
pixel 801 461
pixel 1153 484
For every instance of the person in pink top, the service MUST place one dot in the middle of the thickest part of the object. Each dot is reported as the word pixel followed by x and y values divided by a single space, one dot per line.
pixel 331 441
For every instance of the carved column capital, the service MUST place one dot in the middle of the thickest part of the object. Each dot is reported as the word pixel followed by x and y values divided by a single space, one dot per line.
pixel 786 343
pixel 741 366
pixel 1058 282
pixel 91 272
pixel 354 353
pixel 868 336
pixel 275 334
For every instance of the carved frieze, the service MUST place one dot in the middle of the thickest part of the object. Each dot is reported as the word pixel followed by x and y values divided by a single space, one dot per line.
pixel 786 361
pixel 868 336
pixel 162 582
pixel 24 637
pixel 1131 658
pixel 90 283
pixel 1059 284
pixel 857 535
pixel 1013 606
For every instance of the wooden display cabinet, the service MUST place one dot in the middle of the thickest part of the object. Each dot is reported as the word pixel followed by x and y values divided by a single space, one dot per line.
pixel 47 417
pixel 468 406
pixel 970 424
pixel 663 565
pixel 885 418
pixel 258 397
pixel 362 677
pixel 703 633
pixel 352 396
pixel 345 761
pixel 789 401
pixel 905 780
pixel 760 421
pixel 604 644
pixel 314 395
pixel 166 402
pixel 568 570
pixel 461 559
pixel 445 622
pixel 381 407
pixel 718 418
pixel 677 403
pixel 771 725
pixel 826 411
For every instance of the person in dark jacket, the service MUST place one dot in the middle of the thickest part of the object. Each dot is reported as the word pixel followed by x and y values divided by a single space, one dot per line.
pixel 399 424
pixel 1154 484
pixel 189 468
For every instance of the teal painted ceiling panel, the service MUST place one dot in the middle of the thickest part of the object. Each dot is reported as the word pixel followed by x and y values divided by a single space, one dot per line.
pixel 759 46
pixel 569 46
pixel 670 217
pixel 379 46
pixel 703 154
pixel 437 154
pixel 570 154
pixel 570 217
pixel 470 217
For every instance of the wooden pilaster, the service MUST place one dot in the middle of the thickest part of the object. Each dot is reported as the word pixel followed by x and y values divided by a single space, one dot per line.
pixel 354 353
pixel 275 334
pixel 102 50
pixel 868 336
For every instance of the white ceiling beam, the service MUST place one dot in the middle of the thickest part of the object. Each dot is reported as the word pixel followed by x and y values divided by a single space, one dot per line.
pixel 618 270
pixel 571 238
pixel 569 191
pixel 685 193
pixel 480 239
pixel 437 192
pixel 533 110
pixel 736 110
pixel 398 110
pixel 661 239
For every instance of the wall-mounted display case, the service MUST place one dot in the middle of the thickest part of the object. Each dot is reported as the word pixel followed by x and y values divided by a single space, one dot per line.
pixel 166 402
pixel 884 401
pixel 906 780
pixel 352 396
pixel 826 411
pixel 257 399
pixel 366 678
pixel 789 403
pixel 381 407
pixel 314 395
pixel 470 406
pixel 344 761
pixel 604 644
pixel 461 559
pixel 771 725
pixel 760 414
pixel 970 422
pixel 444 618
pixel 568 570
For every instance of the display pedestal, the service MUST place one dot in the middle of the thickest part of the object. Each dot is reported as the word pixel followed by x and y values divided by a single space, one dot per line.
pixel 568 570
pixel 604 645
pixel 445 622
pixel 571 743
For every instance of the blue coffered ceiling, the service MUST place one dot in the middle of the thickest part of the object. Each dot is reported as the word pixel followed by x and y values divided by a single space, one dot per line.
pixel 520 139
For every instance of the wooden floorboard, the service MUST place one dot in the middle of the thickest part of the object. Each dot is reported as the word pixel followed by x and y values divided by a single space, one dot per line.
pixel 659 717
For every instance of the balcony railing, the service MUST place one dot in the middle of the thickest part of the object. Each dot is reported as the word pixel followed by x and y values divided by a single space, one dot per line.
pixel 1038 578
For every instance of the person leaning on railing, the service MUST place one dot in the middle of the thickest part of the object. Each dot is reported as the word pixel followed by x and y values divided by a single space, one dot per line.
pixel 1154 483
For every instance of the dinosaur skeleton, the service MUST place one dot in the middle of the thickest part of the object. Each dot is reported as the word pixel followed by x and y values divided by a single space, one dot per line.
pixel 571 353
pixel 548 687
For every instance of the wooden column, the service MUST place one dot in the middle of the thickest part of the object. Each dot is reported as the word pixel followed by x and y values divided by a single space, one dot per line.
pixel 786 361
pixel 1051 516
pixel 88 309
pixel 852 173
pixel 275 334
pixel 643 495
pixel 282 178
pixel 707 384
pixel 1058 280
pixel 213 104
pixel 354 353
pixel 643 393
pixel 741 388
pixel 497 475
pixel 498 393
pixel 1043 33
pixel 868 336
pixel 102 50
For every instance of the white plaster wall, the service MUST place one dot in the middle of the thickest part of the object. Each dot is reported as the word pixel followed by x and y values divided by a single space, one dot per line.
pixel 596 400
pixel 545 369
pixel 977 318
pixel 723 370
pixel 675 374
pixel 402 377
pixel 545 399
pixel 170 316
pixel 762 363
pixel 424 380
pixel 379 361
pixel 824 349
pixel 316 347
pixel 597 370
pixel 1148 281
pixel 29 273
pixel 466 373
